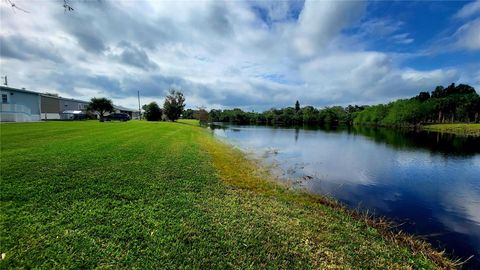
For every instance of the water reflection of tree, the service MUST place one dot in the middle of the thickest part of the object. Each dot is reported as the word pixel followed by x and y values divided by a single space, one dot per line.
pixel 435 142
pixel 448 144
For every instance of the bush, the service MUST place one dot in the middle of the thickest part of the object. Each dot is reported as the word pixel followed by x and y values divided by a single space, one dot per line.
pixel 152 112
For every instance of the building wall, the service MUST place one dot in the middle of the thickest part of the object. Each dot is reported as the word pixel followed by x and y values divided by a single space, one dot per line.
pixel 50 107
pixel 72 105
pixel 51 116
pixel 21 106
pixel 53 107
pixel 135 115
pixel 50 104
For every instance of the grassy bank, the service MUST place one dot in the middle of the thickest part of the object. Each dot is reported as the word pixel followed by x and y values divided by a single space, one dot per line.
pixel 168 195
pixel 458 129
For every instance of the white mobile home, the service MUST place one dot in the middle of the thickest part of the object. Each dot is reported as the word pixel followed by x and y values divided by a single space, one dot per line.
pixel 54 107
pixel 19 105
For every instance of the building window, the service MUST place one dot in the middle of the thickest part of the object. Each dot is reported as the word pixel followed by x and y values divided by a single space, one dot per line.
pixel 4 98
pixel 80 106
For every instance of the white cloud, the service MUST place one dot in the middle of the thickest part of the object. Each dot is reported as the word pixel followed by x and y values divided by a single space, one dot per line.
pixel 468 35
pixel 221 54
pixel 403 38
pixel 364 77
pixel 381 27
pixel 320 21
pixel 469 10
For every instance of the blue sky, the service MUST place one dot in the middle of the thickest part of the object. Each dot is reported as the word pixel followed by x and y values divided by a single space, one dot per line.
pixel 426 24
pixel 248 54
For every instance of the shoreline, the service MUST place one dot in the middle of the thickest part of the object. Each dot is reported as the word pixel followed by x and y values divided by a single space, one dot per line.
pixel 460 129
pixel 384 226
pixel 457 129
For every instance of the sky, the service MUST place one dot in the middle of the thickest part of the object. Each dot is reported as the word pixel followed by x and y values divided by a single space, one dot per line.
pixel 253 55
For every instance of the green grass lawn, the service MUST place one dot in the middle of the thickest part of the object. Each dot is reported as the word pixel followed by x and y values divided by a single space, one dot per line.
pixel 151 195
pixel 459 129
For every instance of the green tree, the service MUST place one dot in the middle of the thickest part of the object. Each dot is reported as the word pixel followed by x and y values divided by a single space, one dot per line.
pixel 188 114
pixel 438 92
pixel 152 112
pixel 297 106
pixel 450 104
pixel 423 96
pixel 333 115
pixel 309 115
pixel 174 105
pixel 101 106
pixel 215 115
pixel 288 116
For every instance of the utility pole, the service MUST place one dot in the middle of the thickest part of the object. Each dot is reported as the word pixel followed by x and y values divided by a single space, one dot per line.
pixel 139 109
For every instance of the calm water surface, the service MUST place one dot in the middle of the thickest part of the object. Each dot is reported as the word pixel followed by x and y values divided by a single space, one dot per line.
pixel 427 181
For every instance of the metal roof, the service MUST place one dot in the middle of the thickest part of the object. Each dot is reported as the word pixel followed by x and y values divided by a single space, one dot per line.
pixel 121 108
pixel 6 88
pixel 63 98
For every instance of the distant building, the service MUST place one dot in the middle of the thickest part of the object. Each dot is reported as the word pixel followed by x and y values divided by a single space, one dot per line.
pixel 54 107
pixel 134 114
pixel 19 105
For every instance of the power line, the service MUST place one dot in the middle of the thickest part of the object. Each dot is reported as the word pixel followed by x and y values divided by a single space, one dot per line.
pixel 67 6
pixel 139 109
pixel 14 6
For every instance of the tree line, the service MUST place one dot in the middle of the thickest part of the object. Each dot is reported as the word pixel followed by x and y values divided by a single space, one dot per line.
pixel 449 104
pixel 173 107
pixel 453 104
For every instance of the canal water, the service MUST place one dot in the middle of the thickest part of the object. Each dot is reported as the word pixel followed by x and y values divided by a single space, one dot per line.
pixel 427 182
